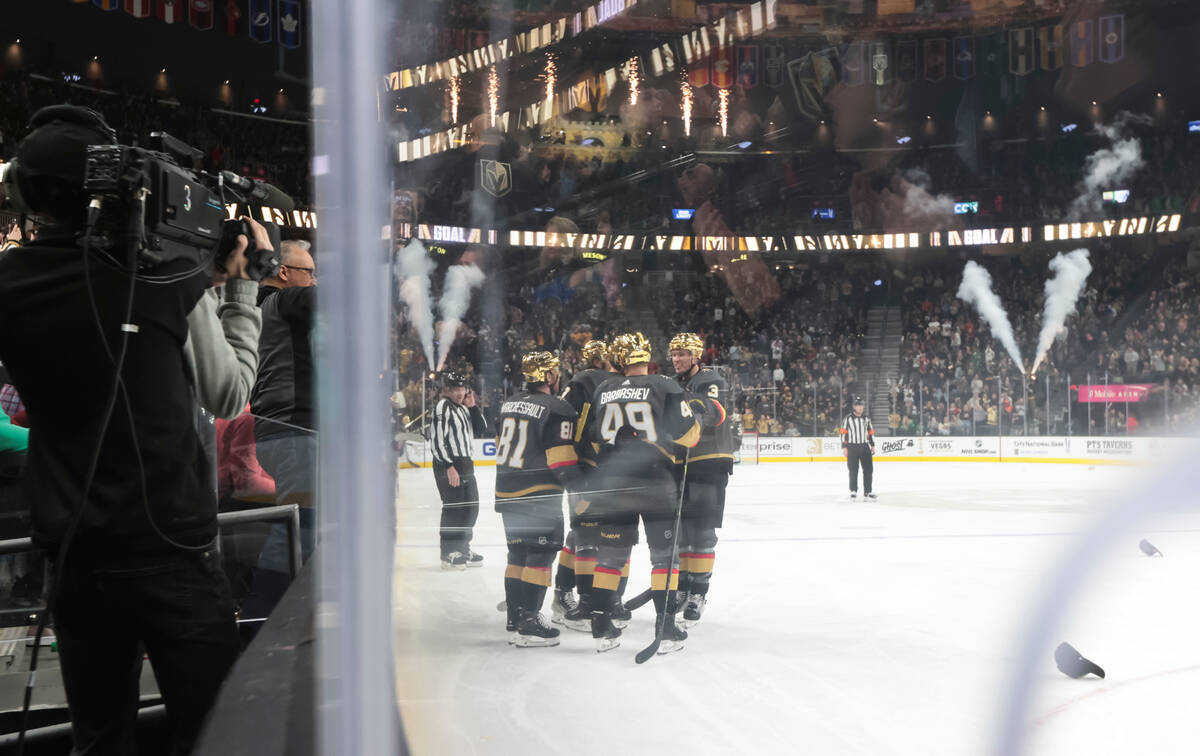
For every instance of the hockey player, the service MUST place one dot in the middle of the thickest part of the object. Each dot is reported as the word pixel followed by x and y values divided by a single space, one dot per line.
pixel 709 466
pixel 644 425
pixel 577 562
pixel 535 460
pixel 858 446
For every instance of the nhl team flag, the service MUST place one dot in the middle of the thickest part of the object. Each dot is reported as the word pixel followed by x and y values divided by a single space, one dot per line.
pixel 1050 42
pixel 107 5
pixel 773 64
pixel 698 76
pixel 1082 39
pixel 170 11
pixel 964 57
pixel 906 60
pixel 139 8
pixel 200 14
pixel 260 20
pixel 722 67
pixel 935 59
pixel 881 63
pixel 1020 51
pixel 289 23
pixel 1112 38
pixel 854 65
pixel 747 66
pixel 233 17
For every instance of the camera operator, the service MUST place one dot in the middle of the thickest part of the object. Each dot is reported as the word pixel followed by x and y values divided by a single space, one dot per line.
pixel 134 559
pixel 284 419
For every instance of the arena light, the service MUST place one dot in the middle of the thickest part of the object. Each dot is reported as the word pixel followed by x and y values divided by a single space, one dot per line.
pixel 1067 128
pixel 903 140
pixel 1194 127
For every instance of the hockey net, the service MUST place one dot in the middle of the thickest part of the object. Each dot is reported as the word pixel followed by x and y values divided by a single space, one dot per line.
pixel 748 452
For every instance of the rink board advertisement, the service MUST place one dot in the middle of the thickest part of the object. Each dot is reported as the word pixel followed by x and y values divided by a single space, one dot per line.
pixel 1098 450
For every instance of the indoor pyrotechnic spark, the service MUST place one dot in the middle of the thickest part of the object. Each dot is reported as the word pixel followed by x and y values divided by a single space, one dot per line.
pixel 634 83
pixel 493 94
pixel 686 91
pixel 551 75
pixel 724 111
pixel 454 99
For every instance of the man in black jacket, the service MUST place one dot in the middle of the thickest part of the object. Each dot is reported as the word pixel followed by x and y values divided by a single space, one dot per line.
pixel 133 545
pixel 283 404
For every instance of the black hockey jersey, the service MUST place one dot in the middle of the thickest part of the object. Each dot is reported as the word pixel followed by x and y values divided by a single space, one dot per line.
pixel 535 449
pixel 579 393
pixel 715 449
pixel 642 421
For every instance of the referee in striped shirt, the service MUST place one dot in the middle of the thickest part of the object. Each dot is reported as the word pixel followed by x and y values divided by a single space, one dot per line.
pixel 858 446
pixel 456 422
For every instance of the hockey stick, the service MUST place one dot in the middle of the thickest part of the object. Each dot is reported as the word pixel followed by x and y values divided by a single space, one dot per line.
pixel 638 601
pixel 659 625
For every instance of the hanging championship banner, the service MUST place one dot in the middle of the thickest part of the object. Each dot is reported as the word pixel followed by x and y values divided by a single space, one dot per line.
pixel 1050 44
pixel 698 76
pixel 721 71
pixel 881 63
pixel 935 59
pixel 773 64
pixel 1112 38
pixel 854 65
pixel 1020 51
pixel 1083 34
pixel 748 57
pixel 964 57
pixel 906 60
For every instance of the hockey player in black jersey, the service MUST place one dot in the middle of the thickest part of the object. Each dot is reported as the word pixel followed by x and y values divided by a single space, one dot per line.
pixel 577 562
pixel 644 425
pixel 535 461
pixel 709 467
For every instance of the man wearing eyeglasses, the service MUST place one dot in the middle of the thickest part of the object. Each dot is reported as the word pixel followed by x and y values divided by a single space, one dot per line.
pixel 284 413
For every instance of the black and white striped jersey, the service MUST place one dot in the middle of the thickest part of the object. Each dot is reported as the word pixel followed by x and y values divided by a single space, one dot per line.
pixel 452 431
pixel 857 429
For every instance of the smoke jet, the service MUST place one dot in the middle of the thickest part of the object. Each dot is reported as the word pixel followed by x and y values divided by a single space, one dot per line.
pixel 1070 272
pixel 456 298
pixel 1110 166
pixel 976 290
pixel 414 269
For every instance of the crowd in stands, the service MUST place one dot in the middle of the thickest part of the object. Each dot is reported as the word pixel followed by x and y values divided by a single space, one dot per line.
pixel 268 150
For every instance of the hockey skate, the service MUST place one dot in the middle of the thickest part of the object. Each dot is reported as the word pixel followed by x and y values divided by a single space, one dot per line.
pixel 473 559
pixel 534 631
pixel 870 496
pixel 563 604
pixel 620 615
pixel 604 632
pixel 580 617
pixel 854 494
pixel 672 636
pixel 455 560
pixel 693 609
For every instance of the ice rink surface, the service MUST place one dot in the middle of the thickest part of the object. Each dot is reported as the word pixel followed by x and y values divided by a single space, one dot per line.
pixel 833 627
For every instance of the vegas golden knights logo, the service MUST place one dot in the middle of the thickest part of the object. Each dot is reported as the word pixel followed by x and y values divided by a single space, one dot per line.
pixel 495 177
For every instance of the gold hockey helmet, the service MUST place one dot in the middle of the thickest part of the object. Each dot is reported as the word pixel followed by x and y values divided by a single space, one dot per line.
pixel 688 341
pixel 536 365
pixel 595 349
pixel 629 349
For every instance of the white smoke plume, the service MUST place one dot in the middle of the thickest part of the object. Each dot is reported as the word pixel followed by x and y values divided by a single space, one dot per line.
pixel 921 205
pixel 1070 272
pixel 456 298
pixel 976 289
pixel 414 269
pixel 1110 166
